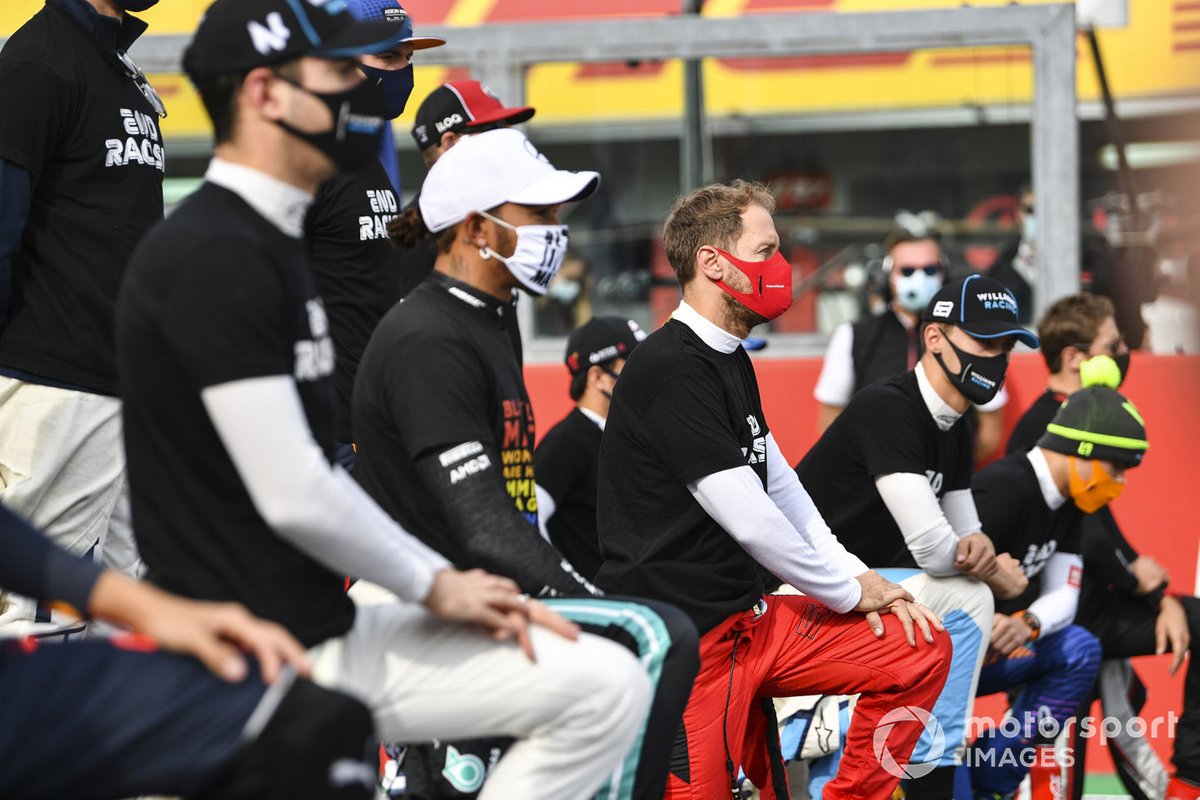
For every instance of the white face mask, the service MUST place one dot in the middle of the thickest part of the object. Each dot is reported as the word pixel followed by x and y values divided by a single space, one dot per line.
pixel 538 257
pixel 914 292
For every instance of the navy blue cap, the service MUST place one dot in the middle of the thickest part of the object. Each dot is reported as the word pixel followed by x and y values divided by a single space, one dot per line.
pixel 391 11
pixel 981 306
pixel 235 36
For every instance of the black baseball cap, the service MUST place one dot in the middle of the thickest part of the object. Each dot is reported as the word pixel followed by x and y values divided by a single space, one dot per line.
pixel 981 306
pixel 601 340
pixel 235 36
pixel 461 106
pixel 1097 423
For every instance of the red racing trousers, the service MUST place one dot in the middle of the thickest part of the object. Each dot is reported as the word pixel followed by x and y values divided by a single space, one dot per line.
pixel 797 646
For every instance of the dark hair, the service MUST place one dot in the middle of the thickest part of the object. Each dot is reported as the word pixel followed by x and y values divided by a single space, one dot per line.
pixel 219 95
pixel 901 236
pixel 710 215
pixel 408 229
pixel 1072 320
pixel 578 384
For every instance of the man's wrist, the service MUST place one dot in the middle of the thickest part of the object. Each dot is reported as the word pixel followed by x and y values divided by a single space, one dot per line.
pixel 1032 622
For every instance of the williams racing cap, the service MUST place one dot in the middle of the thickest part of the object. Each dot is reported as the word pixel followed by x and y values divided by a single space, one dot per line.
pixel 391 11
pixel 979 305
pixel 1097 423
pixel 235 36
pixel 461 106
pixel 601 340
pixel 488 169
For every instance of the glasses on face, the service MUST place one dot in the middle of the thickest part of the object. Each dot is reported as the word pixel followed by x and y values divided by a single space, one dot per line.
pixel 1114 349
pixel 139 78
pixel 928 269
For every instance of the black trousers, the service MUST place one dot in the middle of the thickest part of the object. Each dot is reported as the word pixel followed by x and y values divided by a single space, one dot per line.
pixel 1129 631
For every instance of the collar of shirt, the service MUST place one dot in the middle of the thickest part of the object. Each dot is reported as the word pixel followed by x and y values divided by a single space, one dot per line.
pixel 281 204
pixel 593 416
pixel 1041 468
pixel 709 332
pixel 943 415
pixel 469 295
pixel 110 32
pixel 905 320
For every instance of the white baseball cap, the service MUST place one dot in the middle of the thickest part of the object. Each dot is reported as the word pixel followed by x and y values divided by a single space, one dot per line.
pixel 484 170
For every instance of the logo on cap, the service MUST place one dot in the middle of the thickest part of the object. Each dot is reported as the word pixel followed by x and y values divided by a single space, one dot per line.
pixel 446 123
pixel 999 300
pixel 394 15
pixel 943 308
pixel 272 36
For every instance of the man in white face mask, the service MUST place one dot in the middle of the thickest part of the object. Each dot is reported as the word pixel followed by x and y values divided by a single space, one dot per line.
pixel 888 343
pixel 445 429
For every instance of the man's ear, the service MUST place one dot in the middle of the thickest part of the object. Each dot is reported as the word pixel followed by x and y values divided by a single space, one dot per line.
pixel 261 94
pixel 1072 357
pixel 472 230
pixel 449 138
pixel 708 261
pixel 933 338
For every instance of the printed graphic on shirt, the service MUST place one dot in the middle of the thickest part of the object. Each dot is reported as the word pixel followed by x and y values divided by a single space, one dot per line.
pixel 384 208
pixel 314 357
pixel 757 452
pixel 142 144
pixel 516 456
pixel 1036 557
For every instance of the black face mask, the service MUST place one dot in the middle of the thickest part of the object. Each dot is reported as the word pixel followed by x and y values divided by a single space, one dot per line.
pixel 358 120
pixel 614 375
pixel 136 5
pixel 1123 365
pixel 980 377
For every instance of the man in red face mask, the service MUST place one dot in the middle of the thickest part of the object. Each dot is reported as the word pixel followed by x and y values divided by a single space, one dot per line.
pixel 696 503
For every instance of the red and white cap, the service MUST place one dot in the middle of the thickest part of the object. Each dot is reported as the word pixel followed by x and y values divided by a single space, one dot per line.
pixel 461 107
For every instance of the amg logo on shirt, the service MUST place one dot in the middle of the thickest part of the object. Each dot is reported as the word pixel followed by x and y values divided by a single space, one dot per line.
pixel 314 357
pixel 141 146
pixel 384 205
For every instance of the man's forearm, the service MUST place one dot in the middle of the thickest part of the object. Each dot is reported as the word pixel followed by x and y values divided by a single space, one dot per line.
pixel 486 527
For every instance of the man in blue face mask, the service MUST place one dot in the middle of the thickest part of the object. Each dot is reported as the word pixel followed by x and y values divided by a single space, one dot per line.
pixel 889 342
pixel 356 269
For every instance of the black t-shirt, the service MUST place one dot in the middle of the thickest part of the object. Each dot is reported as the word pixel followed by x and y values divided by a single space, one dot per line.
pixel 681 411
pixel 1018 521
pixel 1033 422
pixel 357 271
pixel 441 369
pixel 217 294
pixel 90 140
pixel 566 461
pixel 886 428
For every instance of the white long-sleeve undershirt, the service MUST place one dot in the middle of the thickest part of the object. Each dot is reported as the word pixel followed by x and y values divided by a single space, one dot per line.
pixel 735 499
pixel 303 498
pixel 929 534
pixel 1058 601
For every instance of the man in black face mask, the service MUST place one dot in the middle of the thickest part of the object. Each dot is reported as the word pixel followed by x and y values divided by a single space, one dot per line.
pixel 357 271
pixel 892 478
pixel 1123 597
pixel 227 373
pixel 81 168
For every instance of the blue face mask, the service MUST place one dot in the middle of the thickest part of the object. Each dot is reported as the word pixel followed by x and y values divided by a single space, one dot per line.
pixel 396 85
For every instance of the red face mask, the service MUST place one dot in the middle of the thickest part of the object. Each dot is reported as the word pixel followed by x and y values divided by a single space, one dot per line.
pixel 771 280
